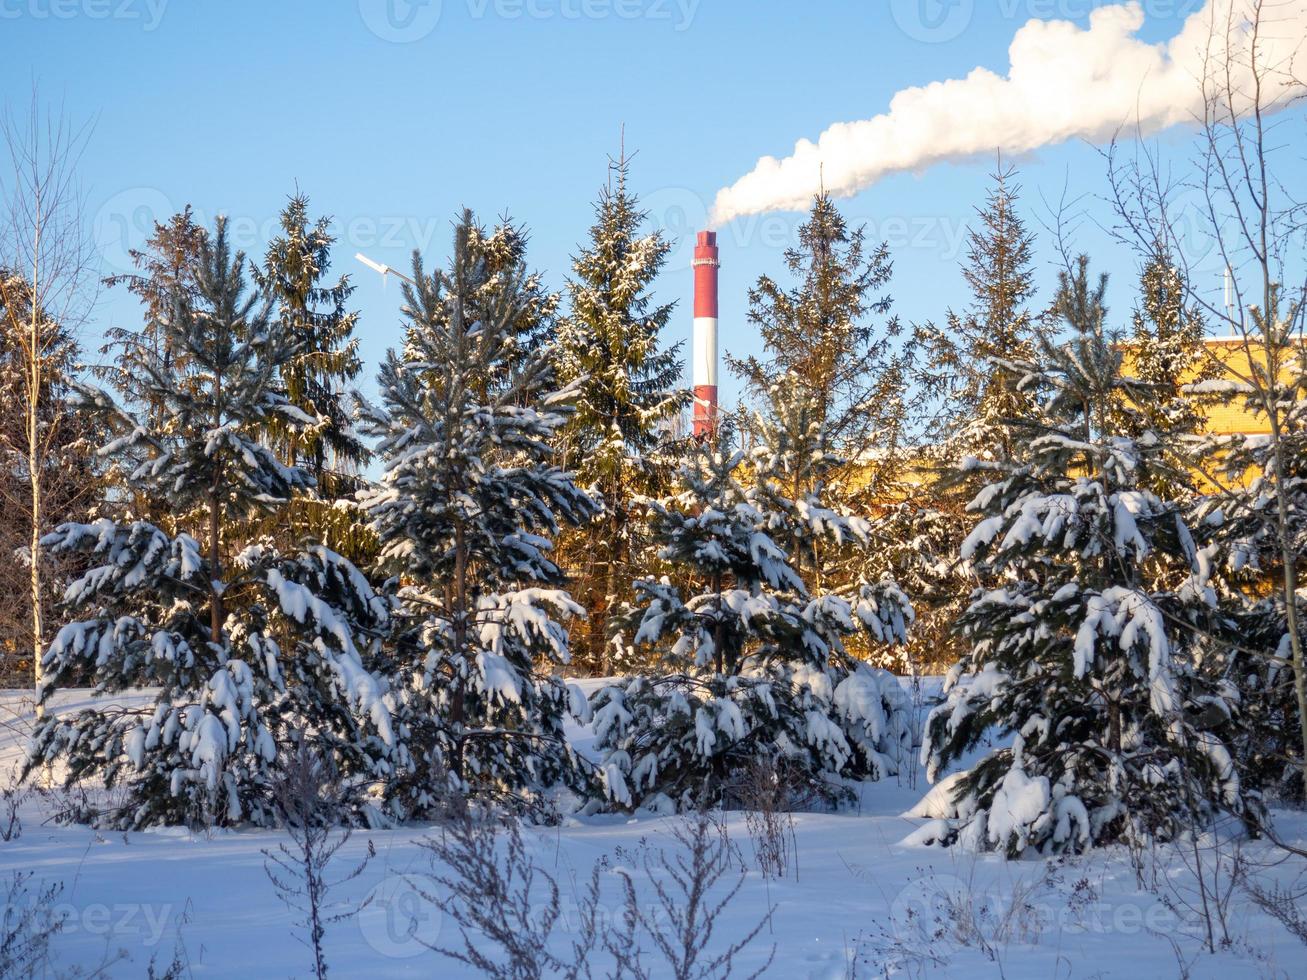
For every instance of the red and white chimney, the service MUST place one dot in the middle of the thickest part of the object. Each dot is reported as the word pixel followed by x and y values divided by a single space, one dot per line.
pixel 704 365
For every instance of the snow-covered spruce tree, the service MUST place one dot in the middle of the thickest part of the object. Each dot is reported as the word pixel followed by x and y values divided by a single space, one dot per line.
pixel 165 279
pixel 976 397
pixel 250 649
pixel 970 360
pixel 498 261
pixel 628 394
pixel 467 502
pixel 312 311
pixel 824 332
pixel 750 661
pixel 830 331
pixel 1167 351
pixel 916 545
pixel 1112 687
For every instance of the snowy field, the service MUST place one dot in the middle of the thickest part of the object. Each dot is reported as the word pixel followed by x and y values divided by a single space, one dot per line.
pixel 859 903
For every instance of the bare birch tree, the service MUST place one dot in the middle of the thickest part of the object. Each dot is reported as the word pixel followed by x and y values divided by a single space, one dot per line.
pixel 43 242
pixel 1241 205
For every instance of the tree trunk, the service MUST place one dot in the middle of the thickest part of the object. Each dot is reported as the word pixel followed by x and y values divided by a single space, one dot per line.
pixel 34 463
pixel 216 615
pixel 1289 560
pixel 612 583
pixel 724 663
pixel 458 711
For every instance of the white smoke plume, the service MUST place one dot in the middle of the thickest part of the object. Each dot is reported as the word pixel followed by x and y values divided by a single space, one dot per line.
pixel 1063 82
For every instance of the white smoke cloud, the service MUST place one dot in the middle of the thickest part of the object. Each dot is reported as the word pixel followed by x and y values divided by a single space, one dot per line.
pixel 1063 82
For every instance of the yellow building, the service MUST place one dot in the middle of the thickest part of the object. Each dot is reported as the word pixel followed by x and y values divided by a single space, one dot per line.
pixel 1229 416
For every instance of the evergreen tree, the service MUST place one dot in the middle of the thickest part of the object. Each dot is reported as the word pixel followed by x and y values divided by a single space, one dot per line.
pixel 822 333
pixel 468 500
pixel 1167 351
pixel 165 283
pixel 969 372
pixel 1167 354
pixel 249 649
pixel 752 664
pixel 917 541
pixel 497 258
pixel 627 395
pixel 970 361
pixel 1113 687
pixel 312 313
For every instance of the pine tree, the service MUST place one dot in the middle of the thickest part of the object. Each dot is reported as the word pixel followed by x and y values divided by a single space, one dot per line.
pixel 468 500
pixel 822 333
pixel 616 441
pixel 312 312
pixel 978 396
pixel 969 360
pixel 1113 687
pixel 249 649
pixel 498 259
pixel 165 283
pixel 1167 354
pixel 752 664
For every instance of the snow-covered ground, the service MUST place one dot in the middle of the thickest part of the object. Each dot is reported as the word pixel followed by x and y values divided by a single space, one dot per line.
pixel 858 903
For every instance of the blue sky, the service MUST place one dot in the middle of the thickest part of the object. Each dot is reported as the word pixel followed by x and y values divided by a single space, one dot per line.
pixel 392 116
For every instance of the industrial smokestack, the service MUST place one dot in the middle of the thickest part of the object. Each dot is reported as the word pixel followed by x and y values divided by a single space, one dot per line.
pixel 704 367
